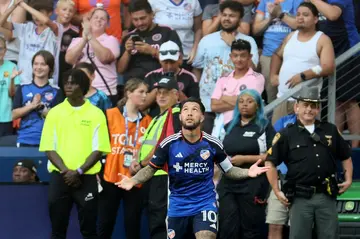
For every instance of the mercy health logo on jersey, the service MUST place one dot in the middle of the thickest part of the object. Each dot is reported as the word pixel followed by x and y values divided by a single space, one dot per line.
pixel 191 168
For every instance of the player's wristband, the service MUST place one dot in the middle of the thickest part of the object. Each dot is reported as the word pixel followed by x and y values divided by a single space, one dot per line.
pixel 141 166
pixel 80 171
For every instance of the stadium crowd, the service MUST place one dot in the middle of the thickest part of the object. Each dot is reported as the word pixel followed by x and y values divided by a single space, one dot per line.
pixel 116 92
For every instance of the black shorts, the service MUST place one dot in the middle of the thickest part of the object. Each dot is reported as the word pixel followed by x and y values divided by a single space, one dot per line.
pixel 182 227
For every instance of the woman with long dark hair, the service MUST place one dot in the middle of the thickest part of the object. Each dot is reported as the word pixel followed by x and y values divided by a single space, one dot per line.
pixel 242 203
pixel 33 101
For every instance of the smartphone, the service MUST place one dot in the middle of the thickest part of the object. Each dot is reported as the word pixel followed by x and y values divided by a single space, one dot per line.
pixel 136 38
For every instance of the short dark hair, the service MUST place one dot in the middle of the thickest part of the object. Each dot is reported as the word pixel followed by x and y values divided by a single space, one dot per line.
pixel 84 65
pixel 140 5
pixel 241 45
pixel 48 58
pixel 233 6
pixel 311 7
pixel 194 100
pixel 79 77
pixel 47 5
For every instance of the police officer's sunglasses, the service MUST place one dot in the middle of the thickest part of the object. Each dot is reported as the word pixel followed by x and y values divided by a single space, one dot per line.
pixel 171 52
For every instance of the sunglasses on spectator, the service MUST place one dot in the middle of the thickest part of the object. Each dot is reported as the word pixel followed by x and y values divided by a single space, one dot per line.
pixel 172 52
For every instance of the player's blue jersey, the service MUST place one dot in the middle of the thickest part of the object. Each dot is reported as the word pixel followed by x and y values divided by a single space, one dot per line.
pixel 191 171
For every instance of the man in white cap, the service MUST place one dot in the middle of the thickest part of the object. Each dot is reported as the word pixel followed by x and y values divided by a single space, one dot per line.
pixel 170 59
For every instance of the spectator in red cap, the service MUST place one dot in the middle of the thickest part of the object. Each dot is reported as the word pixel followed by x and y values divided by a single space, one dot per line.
pixel 25 171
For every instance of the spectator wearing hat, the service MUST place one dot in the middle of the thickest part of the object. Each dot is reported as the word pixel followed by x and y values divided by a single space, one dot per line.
pixel 140 48
pixel 310 149
pixel 170 61
pixel 223 99
pixel 312 53
pixel 25 171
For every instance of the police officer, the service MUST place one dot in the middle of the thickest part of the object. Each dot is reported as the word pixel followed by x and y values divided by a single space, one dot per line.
pixel 310 149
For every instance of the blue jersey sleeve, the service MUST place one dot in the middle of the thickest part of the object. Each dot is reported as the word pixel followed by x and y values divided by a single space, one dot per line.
pixel 220 157
pixel 161 155
pixel 17 102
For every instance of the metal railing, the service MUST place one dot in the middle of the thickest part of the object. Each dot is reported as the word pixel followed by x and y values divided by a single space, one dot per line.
pixel 331 90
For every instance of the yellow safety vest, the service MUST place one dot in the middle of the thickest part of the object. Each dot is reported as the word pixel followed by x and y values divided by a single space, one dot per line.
pixel 152 135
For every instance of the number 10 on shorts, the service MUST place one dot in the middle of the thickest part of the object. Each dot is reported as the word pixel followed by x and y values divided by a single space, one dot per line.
pixel 210 216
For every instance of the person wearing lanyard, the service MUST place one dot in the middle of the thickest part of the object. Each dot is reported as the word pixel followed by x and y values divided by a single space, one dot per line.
pixel 127 126
pixel 242 203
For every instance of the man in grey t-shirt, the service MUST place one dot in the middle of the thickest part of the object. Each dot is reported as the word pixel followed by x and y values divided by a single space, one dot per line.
pixel 211 21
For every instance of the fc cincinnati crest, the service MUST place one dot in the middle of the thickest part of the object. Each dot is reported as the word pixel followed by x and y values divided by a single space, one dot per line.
pixel 187 7
pixel 157 37
pixel 204 154
pixel 171 233
pixel 49 96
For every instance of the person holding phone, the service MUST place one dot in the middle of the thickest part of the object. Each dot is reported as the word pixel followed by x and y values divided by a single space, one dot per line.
pixel 140 49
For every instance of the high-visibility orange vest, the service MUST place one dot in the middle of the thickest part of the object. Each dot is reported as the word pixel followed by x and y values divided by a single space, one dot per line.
pixel 117 131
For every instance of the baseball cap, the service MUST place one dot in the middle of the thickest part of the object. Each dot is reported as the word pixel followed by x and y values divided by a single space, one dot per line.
pixel 169 51
pixel 167 82
pixel 29 164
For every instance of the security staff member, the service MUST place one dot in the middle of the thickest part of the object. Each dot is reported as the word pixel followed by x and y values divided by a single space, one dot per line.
pixel 309 149
pixel 242 203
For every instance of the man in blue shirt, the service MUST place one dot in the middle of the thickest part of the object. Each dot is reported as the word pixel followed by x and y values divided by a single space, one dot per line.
pixel 190 156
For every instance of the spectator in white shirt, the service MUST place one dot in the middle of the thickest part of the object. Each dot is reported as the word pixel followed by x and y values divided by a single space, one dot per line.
pixel 183 16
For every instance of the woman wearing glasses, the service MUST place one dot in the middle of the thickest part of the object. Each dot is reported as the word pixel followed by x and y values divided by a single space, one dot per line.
pixel 242 203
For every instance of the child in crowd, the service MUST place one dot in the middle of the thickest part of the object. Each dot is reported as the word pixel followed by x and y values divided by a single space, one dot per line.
pixel 39 34
pixel 8 81
pixel 33 101
pixel 96 97
pixel 65 11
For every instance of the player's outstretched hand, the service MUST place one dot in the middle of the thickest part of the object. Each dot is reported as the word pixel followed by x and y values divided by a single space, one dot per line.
pixel 255 170
pixel 126 183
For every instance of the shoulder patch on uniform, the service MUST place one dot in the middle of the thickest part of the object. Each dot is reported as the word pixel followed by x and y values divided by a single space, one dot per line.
pixel 290 125
pixel 276 138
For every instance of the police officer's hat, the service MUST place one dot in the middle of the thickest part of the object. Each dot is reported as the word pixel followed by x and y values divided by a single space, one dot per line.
pixel 309 94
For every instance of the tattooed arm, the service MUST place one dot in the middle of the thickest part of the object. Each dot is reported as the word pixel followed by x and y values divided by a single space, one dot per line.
pixel 237 173
pixel 144 175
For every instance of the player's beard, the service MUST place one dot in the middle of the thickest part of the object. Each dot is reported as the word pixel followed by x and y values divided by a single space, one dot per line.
pixel 190 127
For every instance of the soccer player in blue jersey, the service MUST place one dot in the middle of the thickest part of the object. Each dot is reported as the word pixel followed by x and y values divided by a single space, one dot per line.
pixel 190 156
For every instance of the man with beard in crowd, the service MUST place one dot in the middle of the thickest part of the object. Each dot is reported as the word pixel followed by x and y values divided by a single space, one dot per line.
pixel 212 59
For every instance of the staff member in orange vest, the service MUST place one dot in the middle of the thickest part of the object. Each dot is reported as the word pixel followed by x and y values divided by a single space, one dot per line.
pixel 127 126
